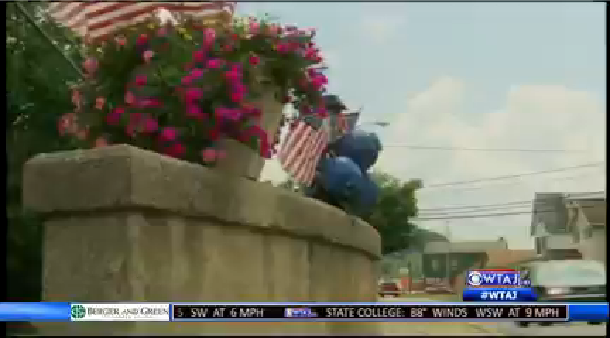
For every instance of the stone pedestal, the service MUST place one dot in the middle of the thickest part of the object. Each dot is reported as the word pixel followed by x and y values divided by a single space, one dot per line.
pixel 125 224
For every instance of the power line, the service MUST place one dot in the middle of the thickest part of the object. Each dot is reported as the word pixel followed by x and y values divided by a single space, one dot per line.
pixel 504 177
pixel 511 204
pixel 498 183
pixel 448 148
pixel 499 214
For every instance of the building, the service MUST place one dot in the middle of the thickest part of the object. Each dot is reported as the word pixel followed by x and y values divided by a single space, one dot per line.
pixel 587 225
pixel 444 261
pixel 549 227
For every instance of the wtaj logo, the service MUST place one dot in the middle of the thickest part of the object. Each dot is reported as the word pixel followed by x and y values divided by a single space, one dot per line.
pixel 303 312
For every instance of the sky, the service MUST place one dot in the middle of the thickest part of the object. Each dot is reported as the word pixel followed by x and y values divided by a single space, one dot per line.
pixel 469 75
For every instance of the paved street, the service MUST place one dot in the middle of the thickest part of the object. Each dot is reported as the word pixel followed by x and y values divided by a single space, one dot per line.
pixel 569 329
pixel 486 329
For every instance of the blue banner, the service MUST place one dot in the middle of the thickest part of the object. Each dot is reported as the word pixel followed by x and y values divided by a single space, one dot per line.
pixel 588 312
pixel 499 295
pixel 35 312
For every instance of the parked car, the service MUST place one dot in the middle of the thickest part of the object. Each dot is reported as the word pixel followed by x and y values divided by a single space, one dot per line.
pixel 567 281
pixel 390 289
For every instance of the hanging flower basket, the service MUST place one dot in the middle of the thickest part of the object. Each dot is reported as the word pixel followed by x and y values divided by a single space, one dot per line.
pixel 204 94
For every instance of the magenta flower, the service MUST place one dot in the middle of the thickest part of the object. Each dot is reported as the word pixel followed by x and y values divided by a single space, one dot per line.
pixel 169 134
pixel 186 80
pixel 142 39
pixel 193 94
pixel 141 80
pixel 150 125
pixel 113 118
pixel 209 36
pixel 194 111
pixel 214 63
pixel 233 76
pixel 198 56
pixel 237 97
pixel 254 60
pixel 176 150
pixel 197 73
pixel 228 113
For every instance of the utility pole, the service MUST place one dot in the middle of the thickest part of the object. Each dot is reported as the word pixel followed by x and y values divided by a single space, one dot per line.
pixel 448 261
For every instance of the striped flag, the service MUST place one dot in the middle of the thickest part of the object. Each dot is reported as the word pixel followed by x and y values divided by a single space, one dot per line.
pixel 98 19
pixel 302 149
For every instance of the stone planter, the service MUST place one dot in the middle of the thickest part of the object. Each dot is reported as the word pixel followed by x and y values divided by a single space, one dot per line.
pixel 126 224
pixel 241 160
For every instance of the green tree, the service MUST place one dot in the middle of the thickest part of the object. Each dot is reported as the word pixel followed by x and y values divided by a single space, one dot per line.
pixel 37 94
pixel 396 206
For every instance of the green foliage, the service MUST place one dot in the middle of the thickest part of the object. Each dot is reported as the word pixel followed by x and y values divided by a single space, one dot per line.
pixel 396 205
pixel 36 83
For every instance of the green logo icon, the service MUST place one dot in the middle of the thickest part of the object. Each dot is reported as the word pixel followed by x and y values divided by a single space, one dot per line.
pixel 78 311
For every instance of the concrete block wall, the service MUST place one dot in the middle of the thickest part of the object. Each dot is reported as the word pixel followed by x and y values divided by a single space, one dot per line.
pixel 125 224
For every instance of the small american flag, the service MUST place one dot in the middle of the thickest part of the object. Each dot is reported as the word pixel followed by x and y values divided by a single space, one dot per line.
pixel 98 19
pixel 302 149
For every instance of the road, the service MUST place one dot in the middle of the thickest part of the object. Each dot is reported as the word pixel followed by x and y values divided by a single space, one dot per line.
pixel 485 329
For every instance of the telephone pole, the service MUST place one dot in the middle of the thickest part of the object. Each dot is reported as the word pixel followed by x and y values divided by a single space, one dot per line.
pixel 448 261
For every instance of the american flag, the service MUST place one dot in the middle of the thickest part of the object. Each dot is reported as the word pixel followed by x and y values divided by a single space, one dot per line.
pixel 98 19
pixel 302 149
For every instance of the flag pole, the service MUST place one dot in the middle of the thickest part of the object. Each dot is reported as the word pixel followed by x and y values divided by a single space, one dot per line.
pixel 46 37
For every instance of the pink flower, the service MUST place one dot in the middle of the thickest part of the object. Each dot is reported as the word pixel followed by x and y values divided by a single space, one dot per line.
pixel 142 39
pixel 209 35
pixel 150 125
pixel 232 76
pixel 254 60
pixel 90 65
pixel 237 97
pixel 208 154
pixel 186 80
pixel 176 150
pixel 253 27
pixel 113 118
pixel 162 31
pixel 198 56
pixel 120 40
pixel 101 142
pixel 239 88
pixel 169 134
pixel 67 124
pixel 193 94
pixel 149 103
pixel 76 98
pixel 228 114
pixel 194 111
pixel 99 103
pixel 148 55
pixel 214 63
pixel 135 118
pixel 197 73
pixel 82 134
pixel 130 98
pixel 141 80
pixel 221 154
pixel 281 48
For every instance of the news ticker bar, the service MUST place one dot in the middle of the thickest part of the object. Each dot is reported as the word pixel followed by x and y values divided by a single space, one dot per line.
pixel 192 312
